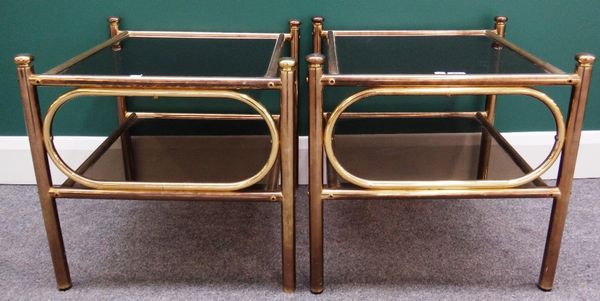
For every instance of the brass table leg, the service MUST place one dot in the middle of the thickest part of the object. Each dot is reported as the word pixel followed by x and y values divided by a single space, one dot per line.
pixel 126 147
pixel 486 140
pixel 33 123
pixel 273 176
pixel 317 23
pixel 315 182
pixel 567 170
pixel 286 125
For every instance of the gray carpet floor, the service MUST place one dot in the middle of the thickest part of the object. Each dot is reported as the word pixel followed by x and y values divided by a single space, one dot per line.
pixel 379 250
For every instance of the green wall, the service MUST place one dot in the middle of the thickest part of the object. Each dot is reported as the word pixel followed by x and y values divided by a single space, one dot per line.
pixel 56 30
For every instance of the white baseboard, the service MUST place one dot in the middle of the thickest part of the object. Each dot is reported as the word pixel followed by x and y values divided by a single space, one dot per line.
pixel 534 147
pixel 16 166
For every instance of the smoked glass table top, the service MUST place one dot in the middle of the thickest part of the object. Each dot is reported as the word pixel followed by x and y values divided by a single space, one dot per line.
pixel 426 55
pixel 183 57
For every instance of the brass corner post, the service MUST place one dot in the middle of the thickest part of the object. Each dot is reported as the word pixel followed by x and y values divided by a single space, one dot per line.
pixel 295 35
pixel 294 53
pixel 315 157
pixel 294 41
pixel 33 123
pixel 128 161
pixel 566 171
pixel 286 132
pixel 490 106
pixel 317 33
pixel 113 30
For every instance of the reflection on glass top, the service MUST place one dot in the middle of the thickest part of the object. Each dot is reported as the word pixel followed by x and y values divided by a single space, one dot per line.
pixel 180 57
pixel 428 55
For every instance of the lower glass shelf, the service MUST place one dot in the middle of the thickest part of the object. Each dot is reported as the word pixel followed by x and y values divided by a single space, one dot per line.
pixel 427 156
pixel 158 155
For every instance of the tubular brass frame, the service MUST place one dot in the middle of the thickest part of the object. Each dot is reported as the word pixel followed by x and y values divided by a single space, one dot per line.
pixel 62 166
pixel 490 85
pixel 280 74
pixel 370 184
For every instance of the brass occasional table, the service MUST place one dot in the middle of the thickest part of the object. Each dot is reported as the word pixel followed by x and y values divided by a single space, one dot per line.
pixel 479 162
pixel 141 161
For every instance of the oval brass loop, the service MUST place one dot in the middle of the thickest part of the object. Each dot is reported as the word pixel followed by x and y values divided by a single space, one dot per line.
pixel 446 184
pixel 60 164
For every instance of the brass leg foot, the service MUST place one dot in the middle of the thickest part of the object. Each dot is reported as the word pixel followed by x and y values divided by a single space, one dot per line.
pixel 545 289
pixel 64 287
pixel 289 290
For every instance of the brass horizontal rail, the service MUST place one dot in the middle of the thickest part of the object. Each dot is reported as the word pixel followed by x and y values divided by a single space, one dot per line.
pixel 201 35
pixel 62 67
pixel 275 56
pixel 532 58
pixel 204 116
pixel 167 195
pixel 341 194
pixel 370 80
pixel 332 58
pixel 361 115
pixel 150 82
pixel 351 33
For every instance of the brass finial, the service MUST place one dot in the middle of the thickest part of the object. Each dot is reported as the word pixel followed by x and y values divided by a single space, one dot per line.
pixel 113 25
pixel 113 30
pixel 23 59
pixel 501 19
pixel 114 20
pixel 585 59
pixel 294 23
pixel 287 64
pixel 315 59
pixel 501 25
pixel 317 19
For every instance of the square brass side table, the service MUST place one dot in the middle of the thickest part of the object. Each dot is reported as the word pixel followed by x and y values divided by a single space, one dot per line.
pixel 204 66
pixel 434 63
